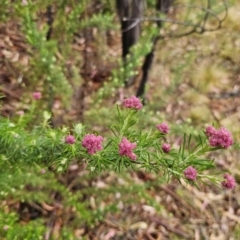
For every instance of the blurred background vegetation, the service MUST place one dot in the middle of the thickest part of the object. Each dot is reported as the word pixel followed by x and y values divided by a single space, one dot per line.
pixel 71 51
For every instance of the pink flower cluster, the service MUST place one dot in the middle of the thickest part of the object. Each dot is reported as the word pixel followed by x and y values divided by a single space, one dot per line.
pixel 70 139
pixel 166 147
pixel 219 138
pixel 133 103
pixel 126 148
pixel 163 127
pixel 92 143
pixel 37 95
pixel 190 173
pixel 229 181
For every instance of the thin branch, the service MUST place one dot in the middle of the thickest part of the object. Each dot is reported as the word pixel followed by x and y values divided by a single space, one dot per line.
pixel 10 93
pixel 157 19
pixel 206 15
pixel 133 25
pixel 202 8
pixel 197 28
pixel 224 95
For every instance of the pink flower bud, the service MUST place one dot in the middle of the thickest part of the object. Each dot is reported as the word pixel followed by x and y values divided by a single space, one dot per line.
pixel 133 103
pixel 37 95
pixel 229 181
pixel 20 113
pixel 5 227
pixel 70 139
pixel 163 128
pixel 24 3
pixel 190 173
pixel 42 171
pixel 166 147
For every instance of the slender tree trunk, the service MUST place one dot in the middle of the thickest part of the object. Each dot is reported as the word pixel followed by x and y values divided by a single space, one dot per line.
pixel 163 6
pixel 130 12
pixel 49 21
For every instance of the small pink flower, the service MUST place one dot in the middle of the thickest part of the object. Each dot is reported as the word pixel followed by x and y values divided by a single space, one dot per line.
pixel 166 147
pixel 42 171
pixel 20 113
pixel 37 95
pixel 24 3
pixel 5 227
pixel 70 139
pixel 163 127
pixel 92 143
pixel 229 181
pixel 126 148
pixel 220 138
pixel 132 102
pixel 190 173
pixel 210 131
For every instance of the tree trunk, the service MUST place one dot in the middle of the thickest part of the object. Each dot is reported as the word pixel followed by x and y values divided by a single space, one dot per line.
pixel 163 6
pixel 130 12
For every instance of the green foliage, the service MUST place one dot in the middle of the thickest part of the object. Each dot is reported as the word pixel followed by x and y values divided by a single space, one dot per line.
pixel 47 70
pixel 44 152
pixel 5 10
pixel 44 145
pixel 33 230
pixel 44 64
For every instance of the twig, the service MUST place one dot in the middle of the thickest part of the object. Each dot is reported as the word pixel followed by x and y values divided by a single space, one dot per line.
pixel 170 228
pixel 8 92
pixel 200 25
pixel 202 29
pixel 225 95
pixel 179 199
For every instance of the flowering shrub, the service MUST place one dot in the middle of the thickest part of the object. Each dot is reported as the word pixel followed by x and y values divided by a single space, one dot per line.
pixel 128 147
